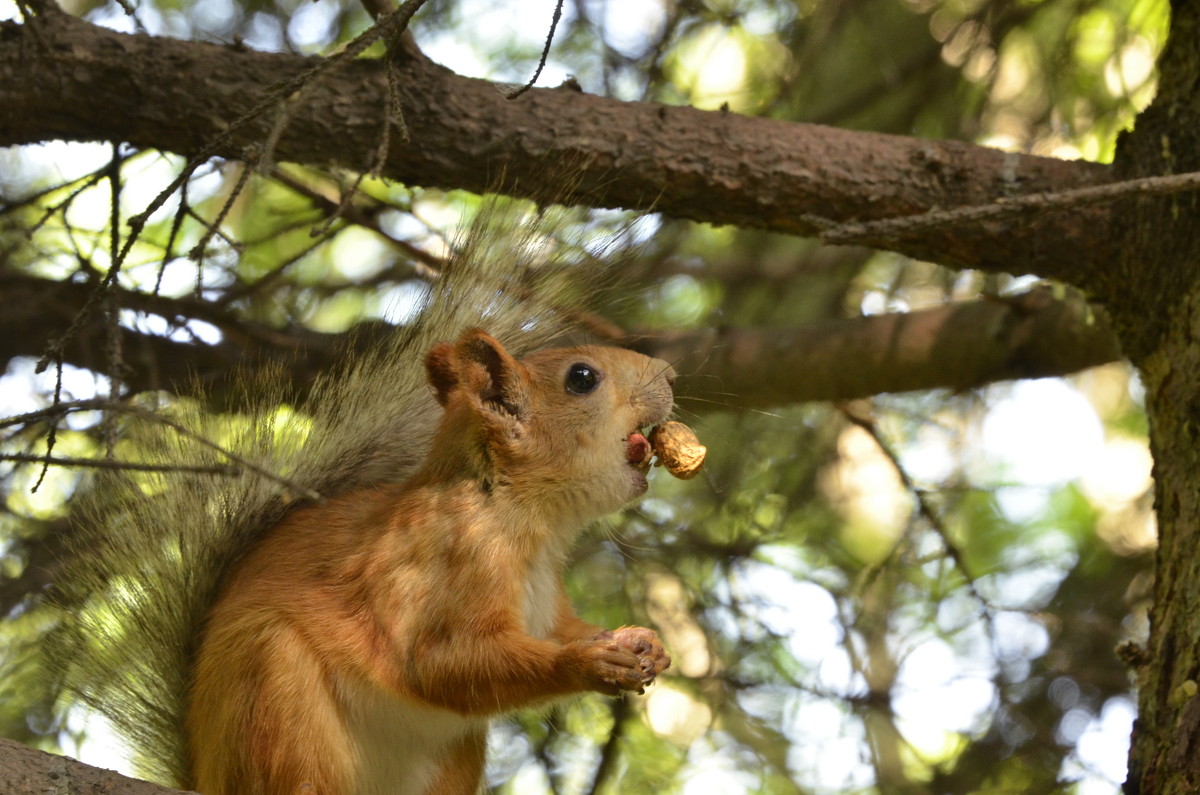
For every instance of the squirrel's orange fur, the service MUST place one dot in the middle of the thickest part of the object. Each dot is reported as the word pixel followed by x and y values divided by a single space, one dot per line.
pixel 361 645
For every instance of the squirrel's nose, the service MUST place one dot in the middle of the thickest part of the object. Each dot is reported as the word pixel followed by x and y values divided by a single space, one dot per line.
pixel 668 372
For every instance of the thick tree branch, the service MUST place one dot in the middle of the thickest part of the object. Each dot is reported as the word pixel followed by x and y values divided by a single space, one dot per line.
pixel 24 771
pixel 955 346
pixel 79 82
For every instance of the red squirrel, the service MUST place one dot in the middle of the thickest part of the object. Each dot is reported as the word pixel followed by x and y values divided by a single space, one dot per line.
pixel 361 645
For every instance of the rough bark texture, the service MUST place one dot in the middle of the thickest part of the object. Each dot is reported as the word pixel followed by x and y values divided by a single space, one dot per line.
pixel 1154 294
pixel 24 771
pixel 75 81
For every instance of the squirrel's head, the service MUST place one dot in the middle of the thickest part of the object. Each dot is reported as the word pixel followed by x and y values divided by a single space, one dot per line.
pixel 561 428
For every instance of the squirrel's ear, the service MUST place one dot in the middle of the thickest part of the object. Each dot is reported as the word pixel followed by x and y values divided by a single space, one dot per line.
pixel 489 373
pixel 478 365
pixel 442 371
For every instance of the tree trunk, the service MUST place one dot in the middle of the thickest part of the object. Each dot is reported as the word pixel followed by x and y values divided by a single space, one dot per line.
pixel 1154 295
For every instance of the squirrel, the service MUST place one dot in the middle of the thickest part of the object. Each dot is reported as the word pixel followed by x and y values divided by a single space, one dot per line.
pixel 359 644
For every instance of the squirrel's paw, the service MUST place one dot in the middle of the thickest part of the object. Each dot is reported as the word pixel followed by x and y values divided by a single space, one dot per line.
pixel 605 665
pixel 645 645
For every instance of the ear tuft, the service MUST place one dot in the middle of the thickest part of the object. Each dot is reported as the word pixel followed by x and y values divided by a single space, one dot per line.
pixel 494 370
pixel 479 366
pixel 442 370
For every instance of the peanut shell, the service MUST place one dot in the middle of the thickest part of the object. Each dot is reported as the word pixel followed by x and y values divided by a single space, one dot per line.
pixel 678 449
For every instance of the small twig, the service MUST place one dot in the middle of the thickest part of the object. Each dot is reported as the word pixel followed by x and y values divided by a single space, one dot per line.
pixel 50 212
pixel 347 200
pixel 55 348
pixel 924 507
pixel 16 204
pixel 55 410
pixel 52 434
pixel 395 21
pixel 197 252
pixel 58 409
pixel 558 7
pixel 176 225
pixel 106 463
pixel 232 456
pixel 424 266
pixel 866 231
pixel 395 106
pixel 244 289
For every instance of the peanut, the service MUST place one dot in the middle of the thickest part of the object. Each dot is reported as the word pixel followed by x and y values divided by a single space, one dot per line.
pixel 678 449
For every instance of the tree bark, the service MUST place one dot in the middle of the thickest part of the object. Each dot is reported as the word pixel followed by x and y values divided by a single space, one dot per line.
pixel 1153 291
pixel 64 78
pixel 24 771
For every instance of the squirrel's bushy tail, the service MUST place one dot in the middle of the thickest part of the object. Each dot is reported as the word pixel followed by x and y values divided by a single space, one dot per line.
pixel 155 545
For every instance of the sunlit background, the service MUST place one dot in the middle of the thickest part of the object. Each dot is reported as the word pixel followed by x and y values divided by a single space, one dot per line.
pixel 856 597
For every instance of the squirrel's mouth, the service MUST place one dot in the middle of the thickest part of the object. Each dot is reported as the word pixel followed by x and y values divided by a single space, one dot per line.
pixel 638 451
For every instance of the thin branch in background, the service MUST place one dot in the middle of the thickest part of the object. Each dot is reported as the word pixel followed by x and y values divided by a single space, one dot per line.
pixel 424 265
pixel 87 181
pixel 1004 207
pixel 54 410
pixel 558 7
pixel 395 106
pixel 112 305
pixel 52 433
pixel 347 200
pixel 924 507
pixel 610 753
pixel 394 21
pixel 106 463
pixel 197 252
pixel 172 236
pixel 55 348
pixel 61 206
pixel 934 520
pixel 277 272
pixel 59 409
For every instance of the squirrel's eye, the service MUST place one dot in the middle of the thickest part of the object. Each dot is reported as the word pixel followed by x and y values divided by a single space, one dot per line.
pixel 581 379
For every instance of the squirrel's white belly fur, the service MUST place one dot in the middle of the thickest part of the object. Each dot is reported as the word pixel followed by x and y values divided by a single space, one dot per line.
pixel 541 591
pixel 399 743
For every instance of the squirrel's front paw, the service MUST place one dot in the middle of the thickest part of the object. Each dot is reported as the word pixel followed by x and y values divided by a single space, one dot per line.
pixel 607 666
pixel 645 645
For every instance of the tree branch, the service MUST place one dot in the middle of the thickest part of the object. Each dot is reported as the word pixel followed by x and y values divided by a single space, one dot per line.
pixel 24 771
pixel 955 346
pixel 81 82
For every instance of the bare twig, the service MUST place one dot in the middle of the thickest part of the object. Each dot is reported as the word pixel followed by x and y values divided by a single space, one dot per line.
pixel 924 507
pixel 112 304
pixel 558 7
pixel 1004 207
pixel 107 463
pixel 197 252
pixel 393 22
pixel 59 409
